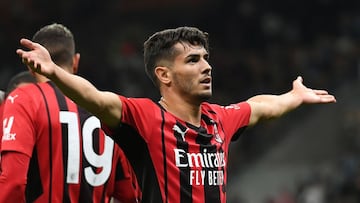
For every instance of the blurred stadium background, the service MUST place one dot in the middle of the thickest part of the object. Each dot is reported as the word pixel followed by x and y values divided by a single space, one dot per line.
pixel 257 46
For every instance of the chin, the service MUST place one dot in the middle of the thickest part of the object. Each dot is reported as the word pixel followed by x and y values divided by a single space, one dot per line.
pixel 205 97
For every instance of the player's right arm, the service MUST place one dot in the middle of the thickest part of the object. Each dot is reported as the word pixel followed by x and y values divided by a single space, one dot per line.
pixel 105 105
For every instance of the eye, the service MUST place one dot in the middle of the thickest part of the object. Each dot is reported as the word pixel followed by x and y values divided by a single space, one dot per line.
pixel 193 59
pixel 206 57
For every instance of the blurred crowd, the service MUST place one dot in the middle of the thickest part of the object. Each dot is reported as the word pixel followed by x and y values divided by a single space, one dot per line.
pixel 256 46
pixel 337 184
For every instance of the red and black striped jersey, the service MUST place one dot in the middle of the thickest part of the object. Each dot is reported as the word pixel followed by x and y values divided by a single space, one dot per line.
pixel 181 163
pixel 72 159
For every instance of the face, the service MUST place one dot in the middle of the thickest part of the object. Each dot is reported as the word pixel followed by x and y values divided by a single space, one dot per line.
pixel 191 72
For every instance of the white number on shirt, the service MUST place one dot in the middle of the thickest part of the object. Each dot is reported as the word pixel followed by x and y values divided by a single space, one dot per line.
pixel 103 161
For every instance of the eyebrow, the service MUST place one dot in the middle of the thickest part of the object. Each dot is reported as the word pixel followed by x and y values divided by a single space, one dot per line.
pixel 197 55
pixel 192 55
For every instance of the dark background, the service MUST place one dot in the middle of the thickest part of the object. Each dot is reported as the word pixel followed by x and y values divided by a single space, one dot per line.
pixel 256 46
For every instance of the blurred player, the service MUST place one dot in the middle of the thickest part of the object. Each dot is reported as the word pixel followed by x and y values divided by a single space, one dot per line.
pixel 18 80
pixel 186 139
pixel 53 150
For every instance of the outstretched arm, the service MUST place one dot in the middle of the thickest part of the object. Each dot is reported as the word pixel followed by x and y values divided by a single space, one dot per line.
pixel 272 106
pixel 105 105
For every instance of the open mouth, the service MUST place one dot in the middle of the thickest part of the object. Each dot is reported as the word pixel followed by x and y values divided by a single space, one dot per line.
pixel 206 80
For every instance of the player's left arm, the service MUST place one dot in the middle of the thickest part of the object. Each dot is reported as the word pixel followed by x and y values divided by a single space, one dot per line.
pixel 13 174
pixel 272 106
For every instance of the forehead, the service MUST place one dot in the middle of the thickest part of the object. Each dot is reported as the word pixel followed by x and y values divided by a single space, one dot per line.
pixel 185 49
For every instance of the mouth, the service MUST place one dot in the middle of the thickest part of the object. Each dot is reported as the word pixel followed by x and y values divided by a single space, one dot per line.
pixel 206 80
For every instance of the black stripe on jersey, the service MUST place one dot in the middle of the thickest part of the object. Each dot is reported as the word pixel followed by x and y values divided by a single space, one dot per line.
pixel 33 179
pixel 50 140
pixel 185 187
pixel 85 193
pixel 212 193
pixel 137 152
pixel 84 115
pixel 85 190
pixel 164 155
pixel 64 132
pixel 119 175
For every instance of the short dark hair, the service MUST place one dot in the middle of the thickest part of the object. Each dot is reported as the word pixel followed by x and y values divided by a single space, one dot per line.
pixel 160 46
pixel 59 41
pixel 22 77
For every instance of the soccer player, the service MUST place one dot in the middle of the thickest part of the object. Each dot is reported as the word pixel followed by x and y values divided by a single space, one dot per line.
pixel 53 150
pixel 18 80
pixel 186 138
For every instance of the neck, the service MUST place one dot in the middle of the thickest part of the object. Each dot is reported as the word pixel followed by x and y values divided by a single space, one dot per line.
pixel 40 78
pixel 183 110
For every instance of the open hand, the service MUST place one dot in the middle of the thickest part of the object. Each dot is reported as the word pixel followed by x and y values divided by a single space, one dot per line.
pixel 309 95
pixel 37 59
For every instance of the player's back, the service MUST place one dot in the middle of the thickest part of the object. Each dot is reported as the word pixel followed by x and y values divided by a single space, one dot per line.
pixel 72 160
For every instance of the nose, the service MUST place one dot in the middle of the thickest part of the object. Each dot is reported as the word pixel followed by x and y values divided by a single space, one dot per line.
pixel 207 67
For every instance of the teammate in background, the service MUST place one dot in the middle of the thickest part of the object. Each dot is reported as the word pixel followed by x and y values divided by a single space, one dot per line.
pixel 18 80
pixel 53 150
pixel 187 138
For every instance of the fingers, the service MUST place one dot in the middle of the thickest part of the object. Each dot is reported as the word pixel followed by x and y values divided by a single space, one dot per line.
pixel 328 99
pixel 30 64
pixel 320 92
pixel 27 43
pixel 325 97
pixel 298 82
pixel 24 60
pixel 22 54
pixel 27 62
pixel 25 55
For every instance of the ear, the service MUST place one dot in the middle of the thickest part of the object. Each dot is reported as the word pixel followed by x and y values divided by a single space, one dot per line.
pixel 163 74
pixel 76 59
